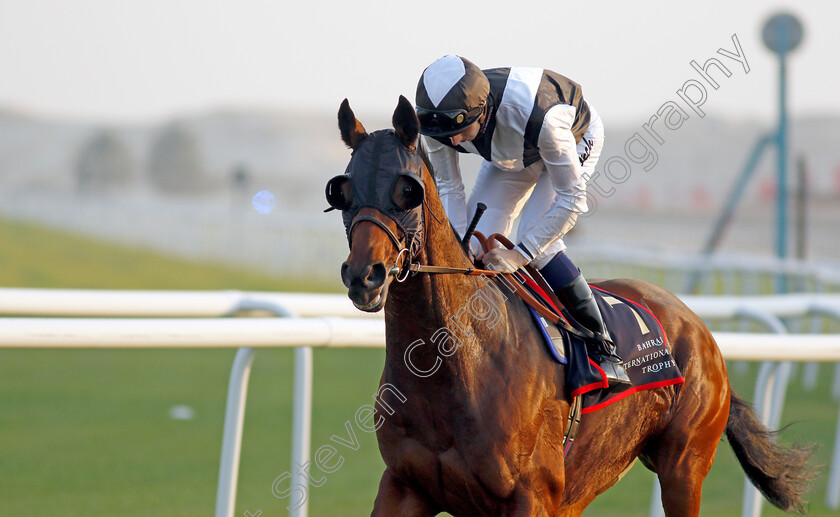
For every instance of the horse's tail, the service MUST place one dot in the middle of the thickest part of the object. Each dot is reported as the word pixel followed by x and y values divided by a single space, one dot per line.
pixel 782 475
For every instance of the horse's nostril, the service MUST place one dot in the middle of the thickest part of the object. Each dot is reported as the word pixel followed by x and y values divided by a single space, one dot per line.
pixel 369 277
pixel 376 275
pixel 346 276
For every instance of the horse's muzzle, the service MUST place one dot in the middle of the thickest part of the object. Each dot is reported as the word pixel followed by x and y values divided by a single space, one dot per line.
pixel 365 285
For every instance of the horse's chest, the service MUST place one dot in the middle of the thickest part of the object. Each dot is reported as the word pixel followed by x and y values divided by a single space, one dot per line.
pixel 456 467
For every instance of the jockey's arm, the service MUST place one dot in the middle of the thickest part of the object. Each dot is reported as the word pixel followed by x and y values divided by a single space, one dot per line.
pixel 558 150
pixel 449 184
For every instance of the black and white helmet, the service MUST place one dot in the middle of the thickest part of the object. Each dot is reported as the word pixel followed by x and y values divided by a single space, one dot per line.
pixel 451 95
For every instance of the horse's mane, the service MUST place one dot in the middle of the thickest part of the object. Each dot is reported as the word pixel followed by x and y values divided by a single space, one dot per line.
pixel 421 150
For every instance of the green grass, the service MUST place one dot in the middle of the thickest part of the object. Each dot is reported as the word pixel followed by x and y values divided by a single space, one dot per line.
pixel 87 432
pixel 31 256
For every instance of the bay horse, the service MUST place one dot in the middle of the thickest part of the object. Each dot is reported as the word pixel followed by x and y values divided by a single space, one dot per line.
pixel 481 426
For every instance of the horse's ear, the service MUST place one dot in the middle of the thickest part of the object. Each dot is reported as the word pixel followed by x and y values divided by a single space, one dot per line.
pixel 405 123
pixel 352 131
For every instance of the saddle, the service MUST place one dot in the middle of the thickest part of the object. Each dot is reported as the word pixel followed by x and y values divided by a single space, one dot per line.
pixel 640 340
pixel 636 331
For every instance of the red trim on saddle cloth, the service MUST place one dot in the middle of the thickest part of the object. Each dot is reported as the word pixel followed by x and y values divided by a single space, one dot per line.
pixel 604 384
pixel 634 389
pixel 643 387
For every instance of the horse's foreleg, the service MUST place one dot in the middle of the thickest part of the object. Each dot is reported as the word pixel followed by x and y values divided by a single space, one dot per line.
pixel 530 503
pixel 397 498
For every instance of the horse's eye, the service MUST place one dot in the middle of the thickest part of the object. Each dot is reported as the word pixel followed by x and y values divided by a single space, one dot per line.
pixel 408 193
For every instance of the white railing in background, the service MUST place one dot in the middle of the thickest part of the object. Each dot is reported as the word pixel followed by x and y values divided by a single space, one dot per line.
pixel 212 228
pixel 190 320
pixel 715 274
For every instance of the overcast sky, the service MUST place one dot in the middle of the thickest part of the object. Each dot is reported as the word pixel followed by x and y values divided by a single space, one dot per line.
pixel 143 61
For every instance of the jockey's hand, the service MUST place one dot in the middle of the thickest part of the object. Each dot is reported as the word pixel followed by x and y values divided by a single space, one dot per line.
pixel 503 260
pixel 471 256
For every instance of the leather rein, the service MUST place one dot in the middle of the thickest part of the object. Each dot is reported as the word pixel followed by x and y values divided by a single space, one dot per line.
pixel 403 267
pixel 402 271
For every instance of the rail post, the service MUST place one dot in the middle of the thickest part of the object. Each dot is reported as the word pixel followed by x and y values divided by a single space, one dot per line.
pixel 235 411
pixel 770 388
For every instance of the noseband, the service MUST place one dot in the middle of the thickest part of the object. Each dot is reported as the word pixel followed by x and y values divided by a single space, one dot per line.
pixel 399 270
pixel 377 222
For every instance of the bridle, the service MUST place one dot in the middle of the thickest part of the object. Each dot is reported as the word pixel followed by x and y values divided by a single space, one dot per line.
pixel 364 217
pixel 403 266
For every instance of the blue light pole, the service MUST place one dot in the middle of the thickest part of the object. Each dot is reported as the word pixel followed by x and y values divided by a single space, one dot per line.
pixel 782 33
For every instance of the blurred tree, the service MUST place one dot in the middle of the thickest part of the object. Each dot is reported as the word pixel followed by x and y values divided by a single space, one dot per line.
pixel 175 162
pixel 104 163
pixel 240 185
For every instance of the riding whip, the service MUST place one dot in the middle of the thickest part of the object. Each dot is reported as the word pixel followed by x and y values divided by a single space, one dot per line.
pixel 479 211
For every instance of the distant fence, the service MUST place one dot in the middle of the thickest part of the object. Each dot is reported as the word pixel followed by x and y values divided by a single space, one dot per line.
pixel 293 241
pixel 185 319
pixel 287 241
pixel 711 275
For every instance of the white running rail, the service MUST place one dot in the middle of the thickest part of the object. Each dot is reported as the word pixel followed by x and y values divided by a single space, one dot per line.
pixel 191 319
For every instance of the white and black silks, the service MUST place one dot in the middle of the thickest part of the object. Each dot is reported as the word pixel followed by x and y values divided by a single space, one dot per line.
pixel 386 175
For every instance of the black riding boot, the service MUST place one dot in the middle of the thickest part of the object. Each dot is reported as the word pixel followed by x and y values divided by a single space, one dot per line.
pixel 578 298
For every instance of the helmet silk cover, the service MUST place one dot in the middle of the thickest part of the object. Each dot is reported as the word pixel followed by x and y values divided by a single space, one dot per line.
pixel 448 85
pixel 452 82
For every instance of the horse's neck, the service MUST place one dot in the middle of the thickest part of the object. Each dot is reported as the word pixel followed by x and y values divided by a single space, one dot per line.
pixel 433 298
pixel 431 308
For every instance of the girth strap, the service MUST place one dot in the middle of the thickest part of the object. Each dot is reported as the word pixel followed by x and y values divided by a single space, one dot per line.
pixel 573 423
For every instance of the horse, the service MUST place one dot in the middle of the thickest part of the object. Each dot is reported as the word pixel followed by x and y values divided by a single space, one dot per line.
pixel 480 418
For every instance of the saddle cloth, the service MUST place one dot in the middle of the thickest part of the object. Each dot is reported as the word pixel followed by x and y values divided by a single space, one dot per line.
pixel 641 343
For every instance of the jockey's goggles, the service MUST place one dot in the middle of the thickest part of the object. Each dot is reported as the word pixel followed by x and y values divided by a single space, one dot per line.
pixel 446 122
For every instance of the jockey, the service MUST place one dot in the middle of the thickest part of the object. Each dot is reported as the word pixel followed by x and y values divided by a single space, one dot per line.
pixel 540 140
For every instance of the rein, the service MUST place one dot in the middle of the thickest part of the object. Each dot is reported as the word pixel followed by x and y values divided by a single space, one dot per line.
pixel 403 268
pixel 423 268
pixel 402 272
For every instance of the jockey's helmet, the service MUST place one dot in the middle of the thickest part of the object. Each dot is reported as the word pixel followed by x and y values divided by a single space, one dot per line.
pixel 451 95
